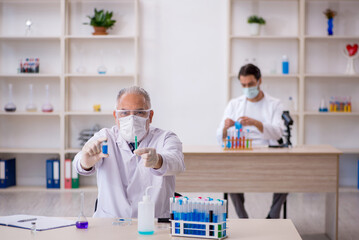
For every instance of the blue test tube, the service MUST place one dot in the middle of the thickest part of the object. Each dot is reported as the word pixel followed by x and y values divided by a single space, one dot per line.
pixel 189 215
pixel 195 216
pixel 105 147
pixel 201 218
pixel 172 201
pixel 176 216
pixel 185 205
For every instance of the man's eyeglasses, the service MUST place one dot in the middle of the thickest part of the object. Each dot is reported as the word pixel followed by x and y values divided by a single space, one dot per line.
pixel 139 113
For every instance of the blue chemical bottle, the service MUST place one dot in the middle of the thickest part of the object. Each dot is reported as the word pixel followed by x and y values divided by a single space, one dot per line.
pixel 285 64
pixel 105 147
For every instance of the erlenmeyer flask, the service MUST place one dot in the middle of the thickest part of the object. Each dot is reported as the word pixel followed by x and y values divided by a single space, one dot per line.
pixel 10 106
pixel 82 222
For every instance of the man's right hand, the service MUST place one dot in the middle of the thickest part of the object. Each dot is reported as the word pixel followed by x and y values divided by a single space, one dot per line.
pixel 91 153
pixel 228 123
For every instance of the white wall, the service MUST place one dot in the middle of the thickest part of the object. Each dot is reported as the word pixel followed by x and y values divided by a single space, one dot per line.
pixel 183 65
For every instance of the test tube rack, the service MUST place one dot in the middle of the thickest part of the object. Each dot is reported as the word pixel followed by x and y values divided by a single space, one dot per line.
pixel 237 144
pixel 340 104
pixel 201 230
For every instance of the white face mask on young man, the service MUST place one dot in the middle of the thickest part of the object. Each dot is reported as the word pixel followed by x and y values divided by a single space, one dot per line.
pixel 251 92
pixel 132 126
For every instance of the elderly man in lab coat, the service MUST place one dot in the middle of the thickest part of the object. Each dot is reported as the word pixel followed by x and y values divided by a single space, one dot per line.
pixel 261 115
pixel 124 173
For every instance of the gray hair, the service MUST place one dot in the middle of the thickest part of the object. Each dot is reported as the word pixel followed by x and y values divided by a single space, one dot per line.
pixel 135 90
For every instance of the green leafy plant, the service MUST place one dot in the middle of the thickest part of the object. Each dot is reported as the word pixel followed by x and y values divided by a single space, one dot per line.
pixel 101 19
pixel 330 13
pixel 256 19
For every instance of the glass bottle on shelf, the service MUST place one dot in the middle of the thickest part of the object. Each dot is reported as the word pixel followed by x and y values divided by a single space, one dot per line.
pixel 47 107
pixel 82 222
pixel 10 106
pixel 323 106
pixel 102 69
pixel 31 107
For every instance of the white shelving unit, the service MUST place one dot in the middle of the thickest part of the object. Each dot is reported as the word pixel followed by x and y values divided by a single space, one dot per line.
pixel 63 43
pixel 297 28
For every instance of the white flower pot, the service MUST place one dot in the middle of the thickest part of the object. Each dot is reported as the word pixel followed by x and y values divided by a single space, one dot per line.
pixel 254 29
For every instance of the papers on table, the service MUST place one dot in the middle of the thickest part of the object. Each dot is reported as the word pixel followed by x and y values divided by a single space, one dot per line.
pixel 42 223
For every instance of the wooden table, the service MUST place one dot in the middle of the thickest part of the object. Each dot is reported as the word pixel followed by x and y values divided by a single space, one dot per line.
pixel 298 169
pixel 102 228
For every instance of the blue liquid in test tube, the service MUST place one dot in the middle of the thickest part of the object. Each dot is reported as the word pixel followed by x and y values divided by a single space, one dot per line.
pixel 105 147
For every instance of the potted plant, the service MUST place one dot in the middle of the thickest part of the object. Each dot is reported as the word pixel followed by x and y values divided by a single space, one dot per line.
pixel 255 22
pixel 330 14
pixel 101 21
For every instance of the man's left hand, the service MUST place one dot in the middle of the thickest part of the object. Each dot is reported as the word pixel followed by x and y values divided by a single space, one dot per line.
pixel 246 121
pixel 150 157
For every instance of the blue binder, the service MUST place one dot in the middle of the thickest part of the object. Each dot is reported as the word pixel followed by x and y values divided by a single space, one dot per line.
pixel 7 173
pixel 56 175
pixel 49 174
pixel 53 173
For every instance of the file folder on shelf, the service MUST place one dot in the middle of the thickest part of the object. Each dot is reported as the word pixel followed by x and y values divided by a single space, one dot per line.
pixel 75 177
pixel 56 166
pixel 7 173
pixel 53 173
pixel 68 176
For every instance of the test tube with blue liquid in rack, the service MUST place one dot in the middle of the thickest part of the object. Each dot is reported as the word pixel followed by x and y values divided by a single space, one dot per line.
pixel 198 217
pixel 238 138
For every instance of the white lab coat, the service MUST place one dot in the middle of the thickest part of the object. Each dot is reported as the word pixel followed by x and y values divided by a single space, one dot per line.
pixel 122 178
pixel 268 111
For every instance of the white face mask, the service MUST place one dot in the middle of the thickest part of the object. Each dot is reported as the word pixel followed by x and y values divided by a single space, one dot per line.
pixel 251 92
pixel 132 126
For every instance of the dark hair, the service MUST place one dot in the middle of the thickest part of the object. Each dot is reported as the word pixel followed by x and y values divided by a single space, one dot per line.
pixel 250 69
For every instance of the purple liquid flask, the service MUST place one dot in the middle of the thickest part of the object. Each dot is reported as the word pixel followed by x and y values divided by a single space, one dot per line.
pixel 82 222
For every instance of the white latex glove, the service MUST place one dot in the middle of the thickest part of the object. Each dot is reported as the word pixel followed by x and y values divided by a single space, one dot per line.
pixel 92 153
pixel 149 156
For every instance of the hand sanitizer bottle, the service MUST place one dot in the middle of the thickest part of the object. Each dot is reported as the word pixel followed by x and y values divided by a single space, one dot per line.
pixel 146 215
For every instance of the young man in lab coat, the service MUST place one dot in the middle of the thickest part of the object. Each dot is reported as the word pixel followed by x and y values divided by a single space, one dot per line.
pixel 261 114
pixel 124 173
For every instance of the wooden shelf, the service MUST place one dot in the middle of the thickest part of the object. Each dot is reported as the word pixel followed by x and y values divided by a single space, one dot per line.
pixel 44 189
pixel 281 76
pixel 29 75
pixel 31 150
pixel 339 114
pixel 100 75
pixel 63 48
pixel 42 38
pixel 18 113
pixel 335 37
pixel 265 37
pixel 334 75
pixel 91 37
pixel 89 113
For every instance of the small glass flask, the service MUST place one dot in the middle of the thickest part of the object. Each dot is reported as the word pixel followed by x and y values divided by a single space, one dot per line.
pixel 82 222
